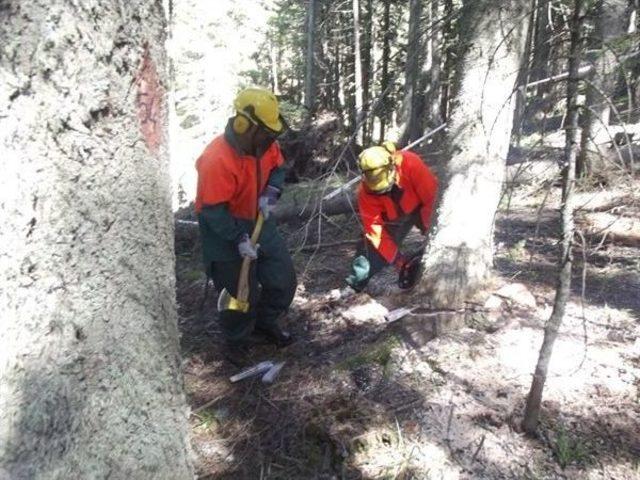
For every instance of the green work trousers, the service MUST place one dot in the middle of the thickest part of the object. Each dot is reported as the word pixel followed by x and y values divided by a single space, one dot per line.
pixel 272 285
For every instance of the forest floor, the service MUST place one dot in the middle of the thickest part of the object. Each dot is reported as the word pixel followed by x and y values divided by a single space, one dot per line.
pixel 363 398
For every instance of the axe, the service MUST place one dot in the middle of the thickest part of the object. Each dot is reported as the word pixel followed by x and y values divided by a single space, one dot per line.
pixel 226 301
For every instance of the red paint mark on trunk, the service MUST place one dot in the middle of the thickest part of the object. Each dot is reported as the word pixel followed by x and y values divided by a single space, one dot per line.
pixel 149 102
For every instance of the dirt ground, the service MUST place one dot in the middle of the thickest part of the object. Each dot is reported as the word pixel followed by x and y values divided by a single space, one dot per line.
pixel 362 398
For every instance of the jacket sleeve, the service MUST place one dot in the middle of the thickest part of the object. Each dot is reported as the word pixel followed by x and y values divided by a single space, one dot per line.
pixel 276 177
pixel 216 182
pixel 373 226
pixel 216 186
pixel 425 185
pixel 220 221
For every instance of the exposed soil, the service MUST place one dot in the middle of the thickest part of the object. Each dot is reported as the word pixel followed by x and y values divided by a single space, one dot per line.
pixel 361 398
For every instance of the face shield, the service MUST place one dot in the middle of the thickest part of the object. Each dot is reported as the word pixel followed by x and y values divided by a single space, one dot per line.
pixel 379 180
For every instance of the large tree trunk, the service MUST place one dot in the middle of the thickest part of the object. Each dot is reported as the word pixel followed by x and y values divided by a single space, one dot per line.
pixel 611 21
pixel 532 409
pixel 90 381
pixel 459 258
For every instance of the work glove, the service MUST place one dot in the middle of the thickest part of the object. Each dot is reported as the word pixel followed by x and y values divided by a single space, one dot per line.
pixel 409 272
pixel 246 248
pixel 268 199
pixel 359 273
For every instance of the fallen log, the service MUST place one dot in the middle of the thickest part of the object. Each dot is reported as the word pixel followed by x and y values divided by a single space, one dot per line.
pixel 609 228
pixel 286 212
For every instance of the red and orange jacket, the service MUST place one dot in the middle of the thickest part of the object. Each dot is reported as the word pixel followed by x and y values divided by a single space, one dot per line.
pixel 225 176
pixel 229 185
pixel 418 188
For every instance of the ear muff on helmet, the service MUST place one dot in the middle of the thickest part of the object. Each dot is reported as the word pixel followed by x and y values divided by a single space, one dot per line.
pixel 241 123
pixel 389 146
pixel 260 107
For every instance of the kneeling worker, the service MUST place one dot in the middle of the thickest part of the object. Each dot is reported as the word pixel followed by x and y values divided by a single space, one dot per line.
pixel 240 175
pixel 397 192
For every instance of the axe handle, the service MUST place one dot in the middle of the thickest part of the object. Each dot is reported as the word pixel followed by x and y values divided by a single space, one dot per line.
pixel 243 279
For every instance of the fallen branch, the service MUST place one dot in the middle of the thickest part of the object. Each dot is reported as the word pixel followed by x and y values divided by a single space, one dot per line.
pixel 316 246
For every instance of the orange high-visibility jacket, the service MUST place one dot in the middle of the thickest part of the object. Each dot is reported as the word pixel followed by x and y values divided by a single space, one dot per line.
pixel 225 176
pixel 418 188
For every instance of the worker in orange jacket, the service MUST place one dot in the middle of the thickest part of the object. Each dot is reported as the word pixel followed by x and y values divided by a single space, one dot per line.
pixel 397 192
pixel 240 173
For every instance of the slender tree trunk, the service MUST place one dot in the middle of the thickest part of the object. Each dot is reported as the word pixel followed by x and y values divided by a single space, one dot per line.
pixel 611 21
pixel 542 45
pixel 432 71
pixel 448 42
pixel 460 255
pixel 338 99
pixel 367 70
pixel 523 77
pixel 90 380
pixel 532 409
pixel 409 121
pixel 310 74
pixel 357 60
pixel 384 83
pixel 274 68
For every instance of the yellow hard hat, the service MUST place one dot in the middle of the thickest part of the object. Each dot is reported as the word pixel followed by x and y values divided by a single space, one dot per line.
pixel 377 165
pixel 260 106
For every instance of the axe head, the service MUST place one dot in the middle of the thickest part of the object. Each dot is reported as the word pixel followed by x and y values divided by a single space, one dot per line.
pixel 226 301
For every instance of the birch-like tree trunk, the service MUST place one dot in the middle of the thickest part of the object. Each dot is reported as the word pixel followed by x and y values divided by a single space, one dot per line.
pixel 460 255
pixel 90 380
pixel 563 290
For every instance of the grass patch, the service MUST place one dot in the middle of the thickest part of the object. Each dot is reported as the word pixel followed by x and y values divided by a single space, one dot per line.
pixel 208 420
pixel 569 449
pixel 379 353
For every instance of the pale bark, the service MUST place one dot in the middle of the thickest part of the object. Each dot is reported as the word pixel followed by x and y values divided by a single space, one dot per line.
pixel 90 381
pixel 460 255
pixel 532 409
